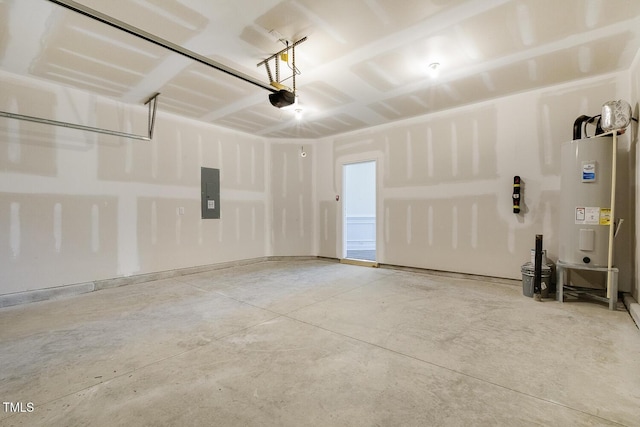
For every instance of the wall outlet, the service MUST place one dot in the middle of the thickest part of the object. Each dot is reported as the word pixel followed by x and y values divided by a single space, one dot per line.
pixel 181 210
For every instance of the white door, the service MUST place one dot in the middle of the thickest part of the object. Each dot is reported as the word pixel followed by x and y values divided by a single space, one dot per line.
pixel 359 214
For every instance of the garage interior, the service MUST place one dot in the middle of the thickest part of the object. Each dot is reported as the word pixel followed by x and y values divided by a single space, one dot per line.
pixel 175 249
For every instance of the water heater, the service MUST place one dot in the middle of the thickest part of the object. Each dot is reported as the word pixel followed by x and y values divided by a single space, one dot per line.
pixel 585 199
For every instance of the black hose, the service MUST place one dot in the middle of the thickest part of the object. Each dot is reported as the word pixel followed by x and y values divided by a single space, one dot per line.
pixel 537 267
pixel 577 126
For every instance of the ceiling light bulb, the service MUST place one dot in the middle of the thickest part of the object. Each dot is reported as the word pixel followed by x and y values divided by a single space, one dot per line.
pixel 298 113
pixel 434 69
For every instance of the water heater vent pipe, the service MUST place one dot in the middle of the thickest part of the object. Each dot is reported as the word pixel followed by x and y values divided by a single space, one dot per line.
pixel 614 164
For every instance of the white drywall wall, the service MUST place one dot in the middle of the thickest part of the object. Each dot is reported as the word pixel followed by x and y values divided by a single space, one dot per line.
pixel 445 180
pixel 77 206
pixel 292 196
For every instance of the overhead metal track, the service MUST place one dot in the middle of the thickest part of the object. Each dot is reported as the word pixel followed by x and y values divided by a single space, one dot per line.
pixel 152 102
pixel 105 19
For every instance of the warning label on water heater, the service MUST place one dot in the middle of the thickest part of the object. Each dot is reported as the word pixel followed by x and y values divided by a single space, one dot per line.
pixel 589 171
pixel 605 216
pixel 587 215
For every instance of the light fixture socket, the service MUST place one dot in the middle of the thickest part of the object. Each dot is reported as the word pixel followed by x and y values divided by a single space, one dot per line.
pixel 433 69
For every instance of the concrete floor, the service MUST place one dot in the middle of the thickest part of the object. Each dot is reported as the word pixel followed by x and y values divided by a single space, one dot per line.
pixel 293 343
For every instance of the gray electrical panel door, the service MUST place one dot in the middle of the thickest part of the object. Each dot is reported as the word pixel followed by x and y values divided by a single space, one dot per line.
pixel 210 192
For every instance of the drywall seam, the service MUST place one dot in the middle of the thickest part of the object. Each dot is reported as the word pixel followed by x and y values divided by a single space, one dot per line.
pixel 269 227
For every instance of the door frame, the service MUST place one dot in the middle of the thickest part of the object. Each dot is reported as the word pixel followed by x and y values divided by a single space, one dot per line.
pixel 343 213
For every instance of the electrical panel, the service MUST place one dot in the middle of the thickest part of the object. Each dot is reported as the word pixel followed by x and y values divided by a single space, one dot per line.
pixel 210 193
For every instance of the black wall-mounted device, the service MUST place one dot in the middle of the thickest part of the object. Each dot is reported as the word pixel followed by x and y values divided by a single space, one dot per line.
pixel 516 196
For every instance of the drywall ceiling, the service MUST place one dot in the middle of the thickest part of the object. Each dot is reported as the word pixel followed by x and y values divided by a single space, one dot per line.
pixel 364 63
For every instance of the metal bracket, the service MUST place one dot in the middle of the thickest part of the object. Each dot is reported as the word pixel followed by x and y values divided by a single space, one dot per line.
pixel 151 121
pixel 153 104
pixel 276 57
